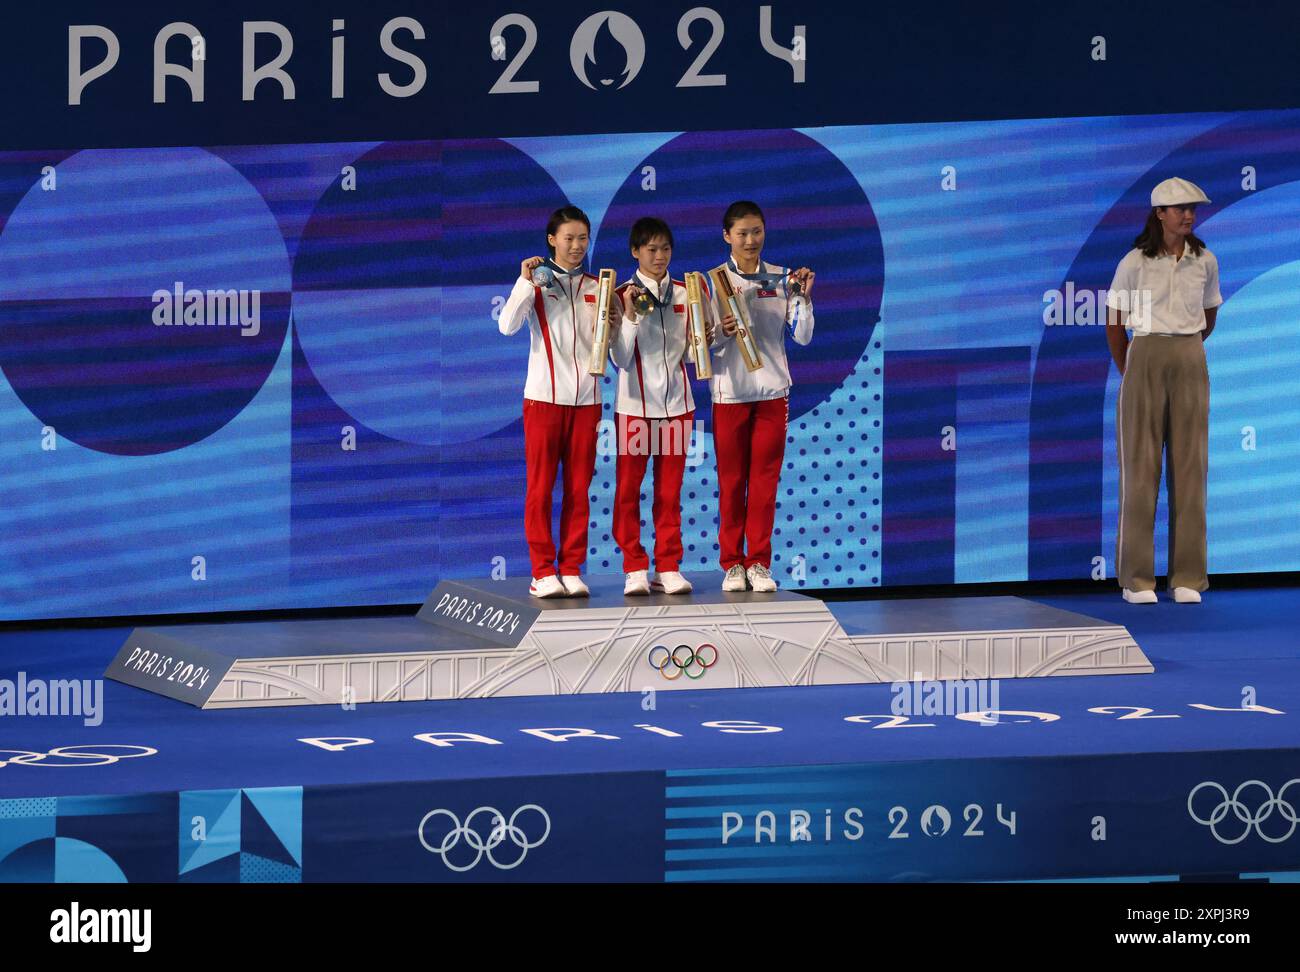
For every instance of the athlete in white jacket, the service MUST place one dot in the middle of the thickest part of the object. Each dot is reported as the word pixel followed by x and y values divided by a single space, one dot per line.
pixel 561 401
pixel 655 408
pixel 751 408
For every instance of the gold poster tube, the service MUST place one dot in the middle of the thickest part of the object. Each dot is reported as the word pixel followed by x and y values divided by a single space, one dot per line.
pixel 729 301
pixel 600 337
pixel 698 349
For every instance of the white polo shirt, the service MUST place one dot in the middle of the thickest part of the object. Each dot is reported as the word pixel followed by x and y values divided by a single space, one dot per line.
pixel 1164 295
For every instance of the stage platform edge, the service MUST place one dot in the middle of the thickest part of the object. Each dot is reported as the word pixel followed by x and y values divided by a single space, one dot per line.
pixel 487 639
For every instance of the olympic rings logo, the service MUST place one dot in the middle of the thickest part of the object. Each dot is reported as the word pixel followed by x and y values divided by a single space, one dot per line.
pixel 72 755
pixel 1244 817
pixel 693 664
pixel 500 830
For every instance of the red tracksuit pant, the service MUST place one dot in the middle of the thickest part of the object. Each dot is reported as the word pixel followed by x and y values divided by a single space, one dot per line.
pixel 749 438
pixel 555 434
pixel 668 440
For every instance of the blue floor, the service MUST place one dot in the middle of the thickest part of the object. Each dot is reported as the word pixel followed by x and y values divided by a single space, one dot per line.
pixel 1208 654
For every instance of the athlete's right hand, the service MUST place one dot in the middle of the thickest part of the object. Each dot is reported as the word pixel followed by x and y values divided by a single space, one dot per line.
pixel 728 325
pixel 630 294
pixel 528 266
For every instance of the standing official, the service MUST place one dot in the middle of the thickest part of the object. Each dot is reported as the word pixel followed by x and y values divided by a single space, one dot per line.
pixel 1166 290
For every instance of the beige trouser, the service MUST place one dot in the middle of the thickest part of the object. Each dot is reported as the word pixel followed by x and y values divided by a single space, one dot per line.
pixel 1164 404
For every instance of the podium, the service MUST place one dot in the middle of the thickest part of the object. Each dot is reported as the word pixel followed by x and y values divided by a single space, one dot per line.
pixel 491 639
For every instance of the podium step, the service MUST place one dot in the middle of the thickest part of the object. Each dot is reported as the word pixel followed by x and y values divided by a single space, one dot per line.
pixel 483 638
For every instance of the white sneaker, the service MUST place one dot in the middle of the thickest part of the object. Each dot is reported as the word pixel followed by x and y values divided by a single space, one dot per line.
pixel 548 586
pixel 1185 595
pixel 760 579
pixel 574 586
pixel 735 579
pixel 672 582
pixel 637 583
pixel 1139 597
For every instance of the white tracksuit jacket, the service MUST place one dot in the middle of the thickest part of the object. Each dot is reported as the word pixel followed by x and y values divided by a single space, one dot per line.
pixel 771 311
pixel 561 320
pixel 650 353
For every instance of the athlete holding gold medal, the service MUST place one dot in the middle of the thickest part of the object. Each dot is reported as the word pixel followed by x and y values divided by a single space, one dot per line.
pixel 655 408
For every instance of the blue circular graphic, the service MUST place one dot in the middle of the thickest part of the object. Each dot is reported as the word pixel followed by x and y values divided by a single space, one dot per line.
pixel 397 278
pixel 59 859
pixel 817 216
pixel 144 298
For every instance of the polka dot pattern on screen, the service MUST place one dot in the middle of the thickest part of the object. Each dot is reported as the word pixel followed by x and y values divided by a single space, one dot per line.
pixel 828 504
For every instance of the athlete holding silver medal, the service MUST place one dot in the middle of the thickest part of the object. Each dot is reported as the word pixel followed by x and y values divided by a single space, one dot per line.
pixel 561 412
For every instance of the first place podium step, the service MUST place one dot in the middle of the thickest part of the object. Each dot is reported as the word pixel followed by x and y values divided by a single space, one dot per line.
pixel 484 639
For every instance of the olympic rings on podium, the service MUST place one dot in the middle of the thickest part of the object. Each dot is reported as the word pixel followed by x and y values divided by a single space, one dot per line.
pixel 683 660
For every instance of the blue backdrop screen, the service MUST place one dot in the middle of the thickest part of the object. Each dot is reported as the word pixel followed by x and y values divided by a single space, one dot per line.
pixel 270 376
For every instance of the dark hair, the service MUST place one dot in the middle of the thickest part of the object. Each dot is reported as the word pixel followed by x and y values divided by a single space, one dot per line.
pixel 565 214
pixel 1151 241
pixel 646 229
pixel 739 210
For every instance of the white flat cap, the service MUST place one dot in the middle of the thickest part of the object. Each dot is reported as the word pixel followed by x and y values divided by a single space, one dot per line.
pixel 1177 192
